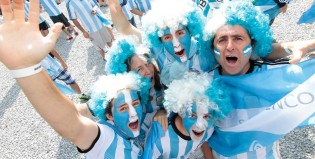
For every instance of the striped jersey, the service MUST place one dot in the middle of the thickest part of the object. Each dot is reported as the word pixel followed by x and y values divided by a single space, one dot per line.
pixel 26 11
pixel 171 144
pixel 52 66
pixel 126 8
pixel 112 143
pixel 143 5
pixel 198 61
pixel 51 7
pixel 149 111
pixel 81 9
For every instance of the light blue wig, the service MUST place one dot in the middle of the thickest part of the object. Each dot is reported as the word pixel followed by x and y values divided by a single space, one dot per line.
pixel 107 87
pixel 169 14
pixel 243 13
pixel 200 88
pixel 121 50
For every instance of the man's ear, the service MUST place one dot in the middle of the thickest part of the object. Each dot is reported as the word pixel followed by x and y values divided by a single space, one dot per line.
pixel 109 117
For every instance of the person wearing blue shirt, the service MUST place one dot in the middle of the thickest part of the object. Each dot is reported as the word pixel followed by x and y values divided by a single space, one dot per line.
pixel 197 102
pixel 95 26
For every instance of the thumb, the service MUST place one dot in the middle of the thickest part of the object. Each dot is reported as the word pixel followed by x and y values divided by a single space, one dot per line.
pixel 297 56
pixel 54 33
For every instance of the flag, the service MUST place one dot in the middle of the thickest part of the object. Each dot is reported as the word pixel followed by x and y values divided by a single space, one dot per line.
pixel 268 105
pixel 308 16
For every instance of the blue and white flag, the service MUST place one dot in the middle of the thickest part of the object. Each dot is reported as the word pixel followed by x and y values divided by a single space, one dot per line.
pixel 308 16
pixel 268 105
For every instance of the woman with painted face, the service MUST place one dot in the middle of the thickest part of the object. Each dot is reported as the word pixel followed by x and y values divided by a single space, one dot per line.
pixel 200 102
pixel 127 55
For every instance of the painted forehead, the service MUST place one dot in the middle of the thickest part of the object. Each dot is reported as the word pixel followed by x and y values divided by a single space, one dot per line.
pixel 125 96
pixel 198 108
pixel 173 30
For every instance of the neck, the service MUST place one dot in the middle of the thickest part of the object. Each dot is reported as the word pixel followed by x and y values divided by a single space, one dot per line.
pixel 180 126
pixel 242 72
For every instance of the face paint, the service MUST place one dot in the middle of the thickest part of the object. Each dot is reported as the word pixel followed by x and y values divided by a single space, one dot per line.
pixel 217 52
pixel 247 50
pixel 197 124
pixel 177 42
pixel 127 117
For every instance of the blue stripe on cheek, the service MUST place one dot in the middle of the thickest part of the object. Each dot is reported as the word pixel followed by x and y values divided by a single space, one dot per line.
pixel 216 52
pixel 247 50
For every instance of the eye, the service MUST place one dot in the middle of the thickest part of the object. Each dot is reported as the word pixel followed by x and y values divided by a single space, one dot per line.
pixel 206 116
pixel 167 38
pixel 136 103
pixel 193 115
pixel 123 108
pixel 181 33
pixel 220 41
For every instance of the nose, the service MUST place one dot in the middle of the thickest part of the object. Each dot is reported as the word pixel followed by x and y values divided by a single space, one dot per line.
pixel 176 43
pixel 230 45
pixel 132 111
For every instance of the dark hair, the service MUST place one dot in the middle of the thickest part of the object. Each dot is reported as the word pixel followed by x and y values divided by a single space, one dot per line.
pixel 157 80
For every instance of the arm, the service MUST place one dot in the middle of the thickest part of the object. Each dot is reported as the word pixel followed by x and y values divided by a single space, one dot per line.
pixel 206 150
pixel 137 12
pixel 78 25
pixel 120 21
pixel 298 49
pixel 56 54
pixel 16 38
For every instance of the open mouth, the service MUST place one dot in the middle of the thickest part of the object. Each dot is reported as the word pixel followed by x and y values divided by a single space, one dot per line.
pixel 180 53
pixel 231 59
pixel 198 133
pixel 134 125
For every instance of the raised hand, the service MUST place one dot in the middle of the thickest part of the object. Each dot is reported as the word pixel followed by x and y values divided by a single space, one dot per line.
pixel 21 43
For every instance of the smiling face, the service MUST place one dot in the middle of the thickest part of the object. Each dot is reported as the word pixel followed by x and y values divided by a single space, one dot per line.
pixel 127 112
pixel 232 48
pixel 142 65
pixel 177 42
pixel 198 122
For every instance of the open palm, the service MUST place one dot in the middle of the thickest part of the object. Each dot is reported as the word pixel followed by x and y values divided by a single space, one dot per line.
pixel 21 43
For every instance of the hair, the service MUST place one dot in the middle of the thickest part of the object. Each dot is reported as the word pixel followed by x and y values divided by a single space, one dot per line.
pixel 164 15
pixel 201 89
pixel 120 58
pixel 106 88
pixel 245 14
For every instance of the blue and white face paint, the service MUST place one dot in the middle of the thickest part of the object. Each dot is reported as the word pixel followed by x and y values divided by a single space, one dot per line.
pixel 247 50
pixel 127 112
pixel 177 42
pixel 198 122
pixel 217 53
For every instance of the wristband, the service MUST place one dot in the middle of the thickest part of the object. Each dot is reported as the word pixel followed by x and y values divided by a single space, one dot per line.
pixel 28 71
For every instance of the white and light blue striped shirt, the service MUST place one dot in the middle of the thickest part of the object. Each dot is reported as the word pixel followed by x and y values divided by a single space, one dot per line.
pixel 26 11
pixel 81 9
pixel 112 145
pixel 172 144
pixel 51 7
pixel 143 5
pixel 126 9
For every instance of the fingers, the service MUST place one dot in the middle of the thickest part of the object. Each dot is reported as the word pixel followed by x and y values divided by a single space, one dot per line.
pixel 6 10
pixel 297 56
pixel 34 11
pixel 18 11
pixel 54 33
